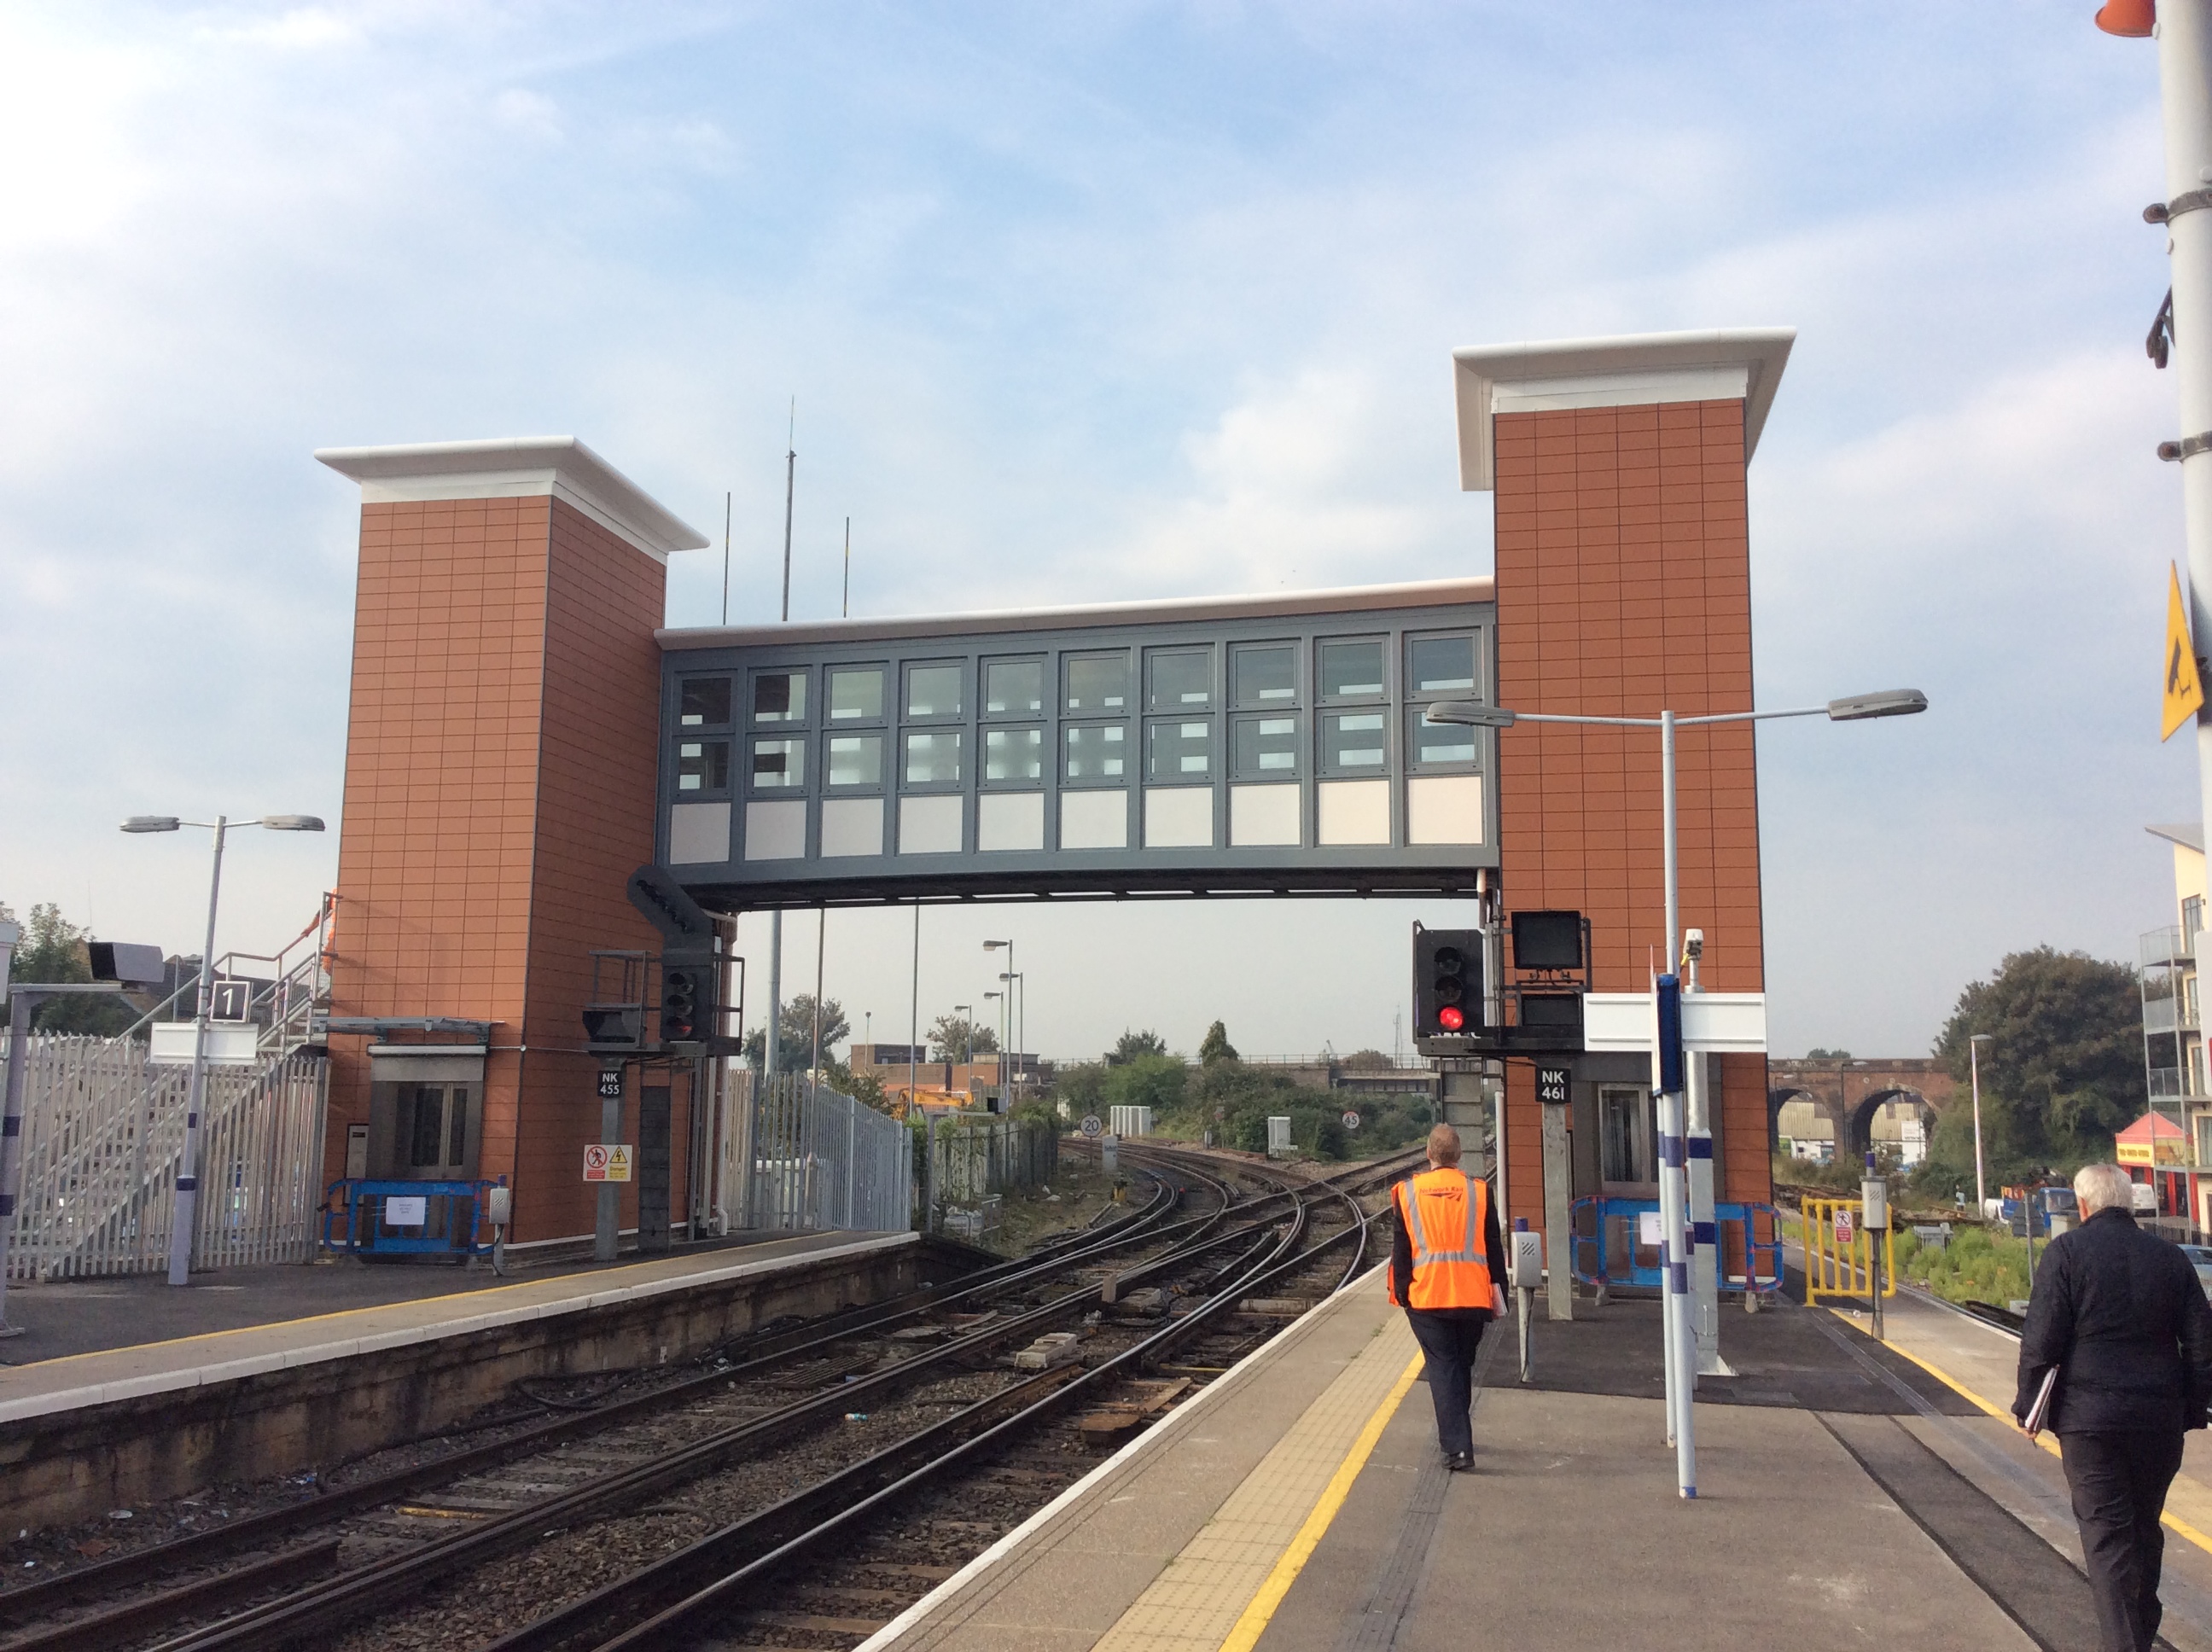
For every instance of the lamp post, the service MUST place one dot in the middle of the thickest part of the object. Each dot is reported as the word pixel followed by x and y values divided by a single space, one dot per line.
pixel 1974 1066
pixel 1017 1009
pixel 1678 1255
pixel 181 1219
pixel 1004 1006
pixel 998 1062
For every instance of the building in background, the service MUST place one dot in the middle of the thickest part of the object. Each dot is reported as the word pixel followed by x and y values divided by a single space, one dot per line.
pixel 2174 1068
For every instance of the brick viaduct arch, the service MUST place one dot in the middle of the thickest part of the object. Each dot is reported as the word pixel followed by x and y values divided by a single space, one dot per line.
pixel 1847 1092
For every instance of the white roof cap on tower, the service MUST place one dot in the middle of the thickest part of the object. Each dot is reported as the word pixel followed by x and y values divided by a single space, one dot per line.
pixel 1636 370
pixel 517 467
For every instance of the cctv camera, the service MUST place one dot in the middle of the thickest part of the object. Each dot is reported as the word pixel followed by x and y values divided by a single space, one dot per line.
pixel 1693 943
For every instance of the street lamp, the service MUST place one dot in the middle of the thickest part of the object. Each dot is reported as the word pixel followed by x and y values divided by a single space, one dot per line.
pixel 1974 1066
pixel 1017 1015
pixel 999 1062
pixel 1004 1011
pixel 1680 1330
pixel 181 1220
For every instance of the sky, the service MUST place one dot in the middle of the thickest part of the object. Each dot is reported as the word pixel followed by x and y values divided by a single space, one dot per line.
pixel 1106 301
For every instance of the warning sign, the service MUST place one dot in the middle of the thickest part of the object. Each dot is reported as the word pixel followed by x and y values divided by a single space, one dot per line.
pixel 607 1161
pixel 2185 691
pixel 1844 1226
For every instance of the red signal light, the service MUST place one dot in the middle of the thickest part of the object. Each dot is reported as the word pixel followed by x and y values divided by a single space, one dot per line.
pixel 1449 1018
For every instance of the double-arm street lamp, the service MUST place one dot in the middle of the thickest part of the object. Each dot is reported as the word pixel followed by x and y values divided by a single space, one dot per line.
pixel 1680 1330
pixel 181 1220
pixel 1006 1009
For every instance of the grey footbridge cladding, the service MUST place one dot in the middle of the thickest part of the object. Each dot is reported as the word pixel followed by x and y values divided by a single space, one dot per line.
pixel 1241 745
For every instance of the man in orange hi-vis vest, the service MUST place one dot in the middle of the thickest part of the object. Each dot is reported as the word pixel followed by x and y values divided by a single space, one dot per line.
pixel 1440 1274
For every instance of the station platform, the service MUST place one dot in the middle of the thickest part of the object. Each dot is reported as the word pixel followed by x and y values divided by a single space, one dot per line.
pixel 288 1392
pixel 228 1327
pixel 1848 1490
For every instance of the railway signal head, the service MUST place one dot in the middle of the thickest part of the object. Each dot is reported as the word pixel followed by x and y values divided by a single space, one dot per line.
pixel 683 1002
pixel 1447 982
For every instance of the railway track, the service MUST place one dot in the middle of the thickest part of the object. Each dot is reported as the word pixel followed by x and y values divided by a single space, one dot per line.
pixel 790 1437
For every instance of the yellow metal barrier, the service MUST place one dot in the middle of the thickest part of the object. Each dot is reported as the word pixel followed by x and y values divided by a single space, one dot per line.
pixel 1835 1266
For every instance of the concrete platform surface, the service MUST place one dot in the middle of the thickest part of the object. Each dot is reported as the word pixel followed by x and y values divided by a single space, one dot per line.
pixel 232 1326
pixel 1847 1495
pixel 63 1317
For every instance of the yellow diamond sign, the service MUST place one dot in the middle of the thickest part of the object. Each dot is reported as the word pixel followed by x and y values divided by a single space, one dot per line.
pixel 2184 691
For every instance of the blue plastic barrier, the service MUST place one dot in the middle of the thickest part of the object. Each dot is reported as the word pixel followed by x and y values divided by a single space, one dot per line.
pixel 1607 1251
pixel 453 1222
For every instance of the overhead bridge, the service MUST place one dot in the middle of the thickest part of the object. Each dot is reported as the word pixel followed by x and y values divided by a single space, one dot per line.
pixel 1258 745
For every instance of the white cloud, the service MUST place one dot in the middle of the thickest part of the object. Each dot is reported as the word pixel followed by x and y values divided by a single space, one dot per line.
pixel 1105 304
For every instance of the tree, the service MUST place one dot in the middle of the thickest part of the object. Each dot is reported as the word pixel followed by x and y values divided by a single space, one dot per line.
pixel 1216 1047
pixel 2062 1071
pixel 52 950
pixel 954 1037
pixel 1082 1086
pixel 1131 1045
pixel 1153 1081
pixel 795 1044
pixel 1816 1054
pixel 1367 1061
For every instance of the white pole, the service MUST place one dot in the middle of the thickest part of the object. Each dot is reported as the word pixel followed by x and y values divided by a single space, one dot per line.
pixel 20 1005
pixel 1981 1187
pixel 181 1221
pixel 1705 1234
pixel 2184 72
pixel 1673 1191
pixel 1669 1341
pixel 772 1039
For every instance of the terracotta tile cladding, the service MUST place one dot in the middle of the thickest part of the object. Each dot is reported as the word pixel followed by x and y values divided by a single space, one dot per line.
pixel 494 805
pixel 1623 569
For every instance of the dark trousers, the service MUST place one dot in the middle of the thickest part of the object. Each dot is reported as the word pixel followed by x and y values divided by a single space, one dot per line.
pixel 1449 1339
pixel 2119 1482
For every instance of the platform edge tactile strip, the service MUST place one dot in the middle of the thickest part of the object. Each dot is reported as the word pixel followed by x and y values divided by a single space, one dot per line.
pixel 969 1607
pixel 1198 1600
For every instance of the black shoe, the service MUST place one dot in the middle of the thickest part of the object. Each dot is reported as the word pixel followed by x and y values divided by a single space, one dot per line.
pixel 1459 1462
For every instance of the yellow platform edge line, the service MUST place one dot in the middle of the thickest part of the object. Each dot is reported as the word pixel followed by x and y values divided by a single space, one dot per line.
pixel 1260 1610
pixel 2044 1441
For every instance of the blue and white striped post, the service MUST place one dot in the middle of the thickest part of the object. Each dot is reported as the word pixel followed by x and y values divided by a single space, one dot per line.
pixel 1674 1228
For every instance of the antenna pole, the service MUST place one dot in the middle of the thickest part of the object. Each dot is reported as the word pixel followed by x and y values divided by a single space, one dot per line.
pixel 846 612
pixel 726 559
pixel 790 480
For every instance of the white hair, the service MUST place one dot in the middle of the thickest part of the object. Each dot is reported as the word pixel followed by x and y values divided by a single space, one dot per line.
pixel 2103 1188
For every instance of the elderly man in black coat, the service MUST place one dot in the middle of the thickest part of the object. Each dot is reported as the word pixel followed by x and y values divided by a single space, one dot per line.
pixel 2120 1313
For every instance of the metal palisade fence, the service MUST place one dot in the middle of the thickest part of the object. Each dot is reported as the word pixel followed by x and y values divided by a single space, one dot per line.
pixel 103 1128
pixel 980 1154
pixel 799 1154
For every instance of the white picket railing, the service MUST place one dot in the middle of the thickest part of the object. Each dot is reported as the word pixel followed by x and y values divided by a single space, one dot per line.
pixel 801 1155
pixel 103 1129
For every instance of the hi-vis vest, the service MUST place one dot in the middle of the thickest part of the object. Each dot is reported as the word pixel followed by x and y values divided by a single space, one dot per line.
pixel 1444 1213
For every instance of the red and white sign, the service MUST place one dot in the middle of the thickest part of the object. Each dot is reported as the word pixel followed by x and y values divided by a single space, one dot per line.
pixel 607 1161
pixel 1844 1227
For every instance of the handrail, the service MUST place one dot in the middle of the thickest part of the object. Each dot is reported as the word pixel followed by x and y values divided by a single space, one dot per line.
pixel 283 979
